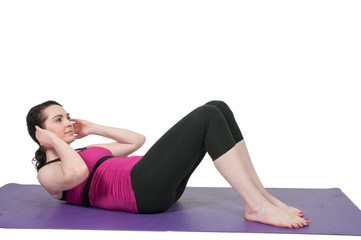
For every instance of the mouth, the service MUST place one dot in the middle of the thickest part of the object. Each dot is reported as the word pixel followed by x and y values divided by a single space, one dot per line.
pixel 69 132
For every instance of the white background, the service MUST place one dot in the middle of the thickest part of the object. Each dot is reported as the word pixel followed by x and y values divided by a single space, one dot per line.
pixel 290 71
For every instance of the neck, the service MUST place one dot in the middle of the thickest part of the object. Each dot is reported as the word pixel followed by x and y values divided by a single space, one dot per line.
pixel 51 154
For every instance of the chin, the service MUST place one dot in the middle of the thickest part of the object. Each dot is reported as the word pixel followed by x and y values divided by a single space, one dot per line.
pixel 69 140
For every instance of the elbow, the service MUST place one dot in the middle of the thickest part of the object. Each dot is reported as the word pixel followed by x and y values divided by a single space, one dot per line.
pixel 80 174
pixel 83 172
pixel 141 141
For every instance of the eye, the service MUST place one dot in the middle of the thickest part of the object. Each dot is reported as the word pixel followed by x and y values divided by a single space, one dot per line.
pixel 68 117
pixel 58 120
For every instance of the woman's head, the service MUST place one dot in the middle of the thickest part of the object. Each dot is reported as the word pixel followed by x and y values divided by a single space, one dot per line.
pixel 51 116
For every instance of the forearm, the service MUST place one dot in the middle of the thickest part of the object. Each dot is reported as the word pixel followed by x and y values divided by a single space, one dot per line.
pixel 118 134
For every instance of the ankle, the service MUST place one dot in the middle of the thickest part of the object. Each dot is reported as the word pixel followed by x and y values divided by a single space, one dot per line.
pixel 255 207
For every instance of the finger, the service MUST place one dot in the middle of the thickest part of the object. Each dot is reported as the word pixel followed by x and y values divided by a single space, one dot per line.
pixel 37 129
pixel 78 136
pixel 75 121
pixel 38 135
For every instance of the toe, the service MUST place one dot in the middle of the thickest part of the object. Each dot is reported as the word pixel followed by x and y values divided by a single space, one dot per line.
pixel 295 211
pixel 295 225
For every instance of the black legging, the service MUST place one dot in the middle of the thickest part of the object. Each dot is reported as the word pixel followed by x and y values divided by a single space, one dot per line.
pixel 160 177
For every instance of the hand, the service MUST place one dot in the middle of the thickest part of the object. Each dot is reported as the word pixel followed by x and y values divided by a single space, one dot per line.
pixel 82 128
pixel 45 137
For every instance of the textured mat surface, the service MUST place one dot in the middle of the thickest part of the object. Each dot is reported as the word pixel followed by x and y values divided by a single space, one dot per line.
pixel 198 210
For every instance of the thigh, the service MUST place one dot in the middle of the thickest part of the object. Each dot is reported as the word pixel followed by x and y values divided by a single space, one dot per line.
pixel 157 179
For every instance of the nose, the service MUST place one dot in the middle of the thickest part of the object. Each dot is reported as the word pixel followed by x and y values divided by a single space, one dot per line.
pixel 69 123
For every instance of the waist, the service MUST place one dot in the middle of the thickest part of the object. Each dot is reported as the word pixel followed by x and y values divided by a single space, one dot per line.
pixel 108 186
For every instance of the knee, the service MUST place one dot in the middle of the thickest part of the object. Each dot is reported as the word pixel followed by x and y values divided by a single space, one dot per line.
pixel 205 113
pixel 221 105
pixel 216 102
pixel 211 112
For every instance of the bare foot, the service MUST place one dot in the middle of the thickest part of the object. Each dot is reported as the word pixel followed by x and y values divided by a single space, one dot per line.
pixel 272 215
pixel 283 206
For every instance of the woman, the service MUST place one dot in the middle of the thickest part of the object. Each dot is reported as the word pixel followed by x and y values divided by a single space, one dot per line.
pixel 104 176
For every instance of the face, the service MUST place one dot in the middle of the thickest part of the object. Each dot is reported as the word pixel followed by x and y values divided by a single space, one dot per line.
pixel 59 123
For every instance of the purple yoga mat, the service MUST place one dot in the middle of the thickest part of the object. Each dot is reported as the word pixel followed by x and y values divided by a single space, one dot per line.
pixel 199 210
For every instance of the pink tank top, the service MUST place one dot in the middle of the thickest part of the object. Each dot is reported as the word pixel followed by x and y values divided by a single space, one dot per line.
pixel 108 185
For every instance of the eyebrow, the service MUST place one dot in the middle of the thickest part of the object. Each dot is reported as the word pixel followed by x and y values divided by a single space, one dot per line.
pixel 59 115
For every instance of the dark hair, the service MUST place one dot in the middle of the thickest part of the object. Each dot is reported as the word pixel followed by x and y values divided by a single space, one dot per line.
pixel 37 117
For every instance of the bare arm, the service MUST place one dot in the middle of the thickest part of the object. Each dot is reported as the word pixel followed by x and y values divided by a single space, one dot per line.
pixel 59 177
pixel 126 143
pixel 71 162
